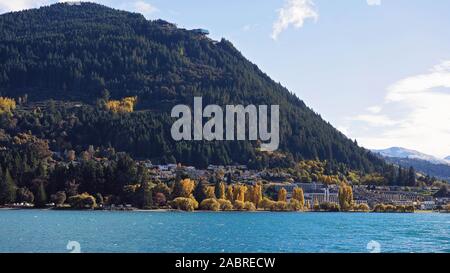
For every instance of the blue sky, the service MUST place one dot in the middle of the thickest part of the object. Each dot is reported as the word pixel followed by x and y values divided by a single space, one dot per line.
pixel 378 70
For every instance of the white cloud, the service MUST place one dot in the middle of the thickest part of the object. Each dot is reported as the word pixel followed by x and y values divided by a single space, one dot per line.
pixel 373 2
pixel 294 12
pixel 438 76
pixel 424 118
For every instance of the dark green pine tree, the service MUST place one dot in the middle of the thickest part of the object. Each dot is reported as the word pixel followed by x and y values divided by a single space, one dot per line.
pixel 400 177
pixel 144 196
pixel 177 189
pixel 7 188
pixel 199 191
pixel 411 177
pixel 217 192
pixel 40 196
pixel 229 178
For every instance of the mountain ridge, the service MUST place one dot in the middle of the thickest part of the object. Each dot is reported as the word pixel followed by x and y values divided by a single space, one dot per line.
pixel 400 152
pixel 89 52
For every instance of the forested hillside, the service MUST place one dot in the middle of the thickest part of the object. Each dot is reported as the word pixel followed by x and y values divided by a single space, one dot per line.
pixel 92 54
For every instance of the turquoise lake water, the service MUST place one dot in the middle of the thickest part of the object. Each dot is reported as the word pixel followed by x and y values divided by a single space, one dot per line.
pixel 103 231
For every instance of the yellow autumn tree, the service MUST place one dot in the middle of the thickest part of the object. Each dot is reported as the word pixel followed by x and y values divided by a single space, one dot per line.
pixel 345 196
pixel 282 195
pixel 125 105
pixel 229 194
pixel 209 192
pixel 295 205
pixel 297 194
pixel 240 191
pixel 307 205
pixel 266 204
pixel 225 204
pixel 316 205
pixel 7 105
pixel 257 194
pixel 210 204
pixel 183 203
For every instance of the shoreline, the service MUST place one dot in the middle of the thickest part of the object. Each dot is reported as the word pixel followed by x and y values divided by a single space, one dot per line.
pixel 209 211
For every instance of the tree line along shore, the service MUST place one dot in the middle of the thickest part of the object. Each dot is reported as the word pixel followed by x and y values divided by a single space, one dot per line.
pixel 188 195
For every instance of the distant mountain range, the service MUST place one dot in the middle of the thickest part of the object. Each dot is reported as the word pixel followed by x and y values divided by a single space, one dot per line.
pixel 426 164
pixel 412 154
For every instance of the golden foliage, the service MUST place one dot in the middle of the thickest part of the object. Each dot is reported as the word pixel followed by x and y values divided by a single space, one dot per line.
pixel 345 197
pixel 210 204
pixel 316 206
pixel 392 208
pixel 239 193
pixel 229 193
pixel 280 206
pixel 257 194
pixel 82 201
pixel 307 205
pixel 295 205
pixel 225 204
pixel 209 192
pixel 282 195
pixel 249 206
pixel 183 203
pixel 297 194
pixel 7 105
pixel 238 205
pixel 266 204
pixel 187 186
pixel 362 207
pixel 125 105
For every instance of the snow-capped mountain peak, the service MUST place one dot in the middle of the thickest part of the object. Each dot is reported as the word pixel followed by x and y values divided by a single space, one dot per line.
pixel 411 154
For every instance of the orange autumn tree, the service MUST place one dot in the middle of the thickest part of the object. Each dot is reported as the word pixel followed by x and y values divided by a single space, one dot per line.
pixel 183 197
pixel 184 188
